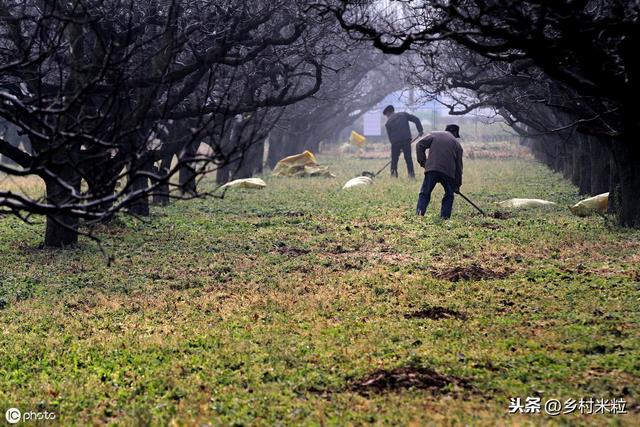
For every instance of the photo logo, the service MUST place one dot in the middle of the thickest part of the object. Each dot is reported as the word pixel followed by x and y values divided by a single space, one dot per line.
pixel 13 415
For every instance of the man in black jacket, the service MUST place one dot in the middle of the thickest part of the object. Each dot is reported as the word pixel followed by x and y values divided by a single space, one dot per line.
pixel 400 137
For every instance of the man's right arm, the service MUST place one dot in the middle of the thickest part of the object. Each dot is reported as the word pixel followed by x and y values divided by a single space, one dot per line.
pixel 421 148
pixel 416 121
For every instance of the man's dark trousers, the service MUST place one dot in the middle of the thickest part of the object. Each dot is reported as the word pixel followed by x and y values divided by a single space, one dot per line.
pixel 430 180
pixel 396 148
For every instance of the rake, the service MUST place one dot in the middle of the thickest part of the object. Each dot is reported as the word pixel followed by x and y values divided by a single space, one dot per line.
pixel 471 203
pixel 373 175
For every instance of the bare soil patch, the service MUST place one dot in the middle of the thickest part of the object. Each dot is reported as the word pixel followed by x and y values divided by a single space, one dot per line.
pixel 292 251
pixel 471 272
pixel 436 313
pixel 380 254
pixel 501 215
pixel 288 214
pixel 491 226
pixel 407 377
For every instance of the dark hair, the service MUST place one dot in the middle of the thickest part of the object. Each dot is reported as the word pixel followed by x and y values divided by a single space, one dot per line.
pixel 388 110
pixel 454 130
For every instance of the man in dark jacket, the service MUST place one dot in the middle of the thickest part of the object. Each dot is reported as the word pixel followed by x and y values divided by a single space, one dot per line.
pixel 443 166
pixel 400 137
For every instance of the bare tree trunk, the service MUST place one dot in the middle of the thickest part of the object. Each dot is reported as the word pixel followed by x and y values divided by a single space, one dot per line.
pixel 187 173
pixel 259 158
pixel 283 144
pixel 583 166
pixel 558 165
pixel 567 161
pixel 627 157
pixel 140 182
pixel 251 161
pixel 109 190
pixel 161 193
pixel 223 173
pixel 600 161
pixel 277 147
pixel 614 185
pixel 61 230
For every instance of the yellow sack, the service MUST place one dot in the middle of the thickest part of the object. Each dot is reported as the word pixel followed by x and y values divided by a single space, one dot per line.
pixel 357 139
pixel 256 183
pixel 292 165
pixel 303 164
pixel 525 203
pixel 586 207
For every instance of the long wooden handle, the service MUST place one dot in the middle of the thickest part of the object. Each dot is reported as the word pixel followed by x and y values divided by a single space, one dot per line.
pixel 383 168
pixel 471 203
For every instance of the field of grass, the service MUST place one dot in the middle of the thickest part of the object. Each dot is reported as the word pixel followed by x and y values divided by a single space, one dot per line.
pixel 304 304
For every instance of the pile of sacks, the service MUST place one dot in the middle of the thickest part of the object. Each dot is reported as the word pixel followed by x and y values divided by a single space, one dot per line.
pixel 303 164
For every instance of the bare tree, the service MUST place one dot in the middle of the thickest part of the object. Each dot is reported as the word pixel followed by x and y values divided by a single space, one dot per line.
pixel 357 80
pixel 104 90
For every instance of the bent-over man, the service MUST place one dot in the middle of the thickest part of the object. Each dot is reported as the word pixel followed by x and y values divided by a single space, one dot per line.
pixel 444 166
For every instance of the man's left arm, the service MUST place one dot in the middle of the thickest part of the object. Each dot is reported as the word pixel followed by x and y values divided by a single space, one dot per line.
pixel 417 122
pixel 459 165
pixel 422 146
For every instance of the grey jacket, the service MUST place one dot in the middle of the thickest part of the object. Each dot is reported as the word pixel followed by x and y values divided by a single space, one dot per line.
pixel 445 155
pixel 398 127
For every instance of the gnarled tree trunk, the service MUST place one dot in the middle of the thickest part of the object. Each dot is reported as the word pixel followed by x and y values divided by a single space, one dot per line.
pixel 187 172
pixel 251 162
pixel 281 145
pixel 139 183
pixel 61 229
pixel 161 192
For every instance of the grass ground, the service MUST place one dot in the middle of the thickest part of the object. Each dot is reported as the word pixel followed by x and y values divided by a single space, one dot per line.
pixel 275 307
